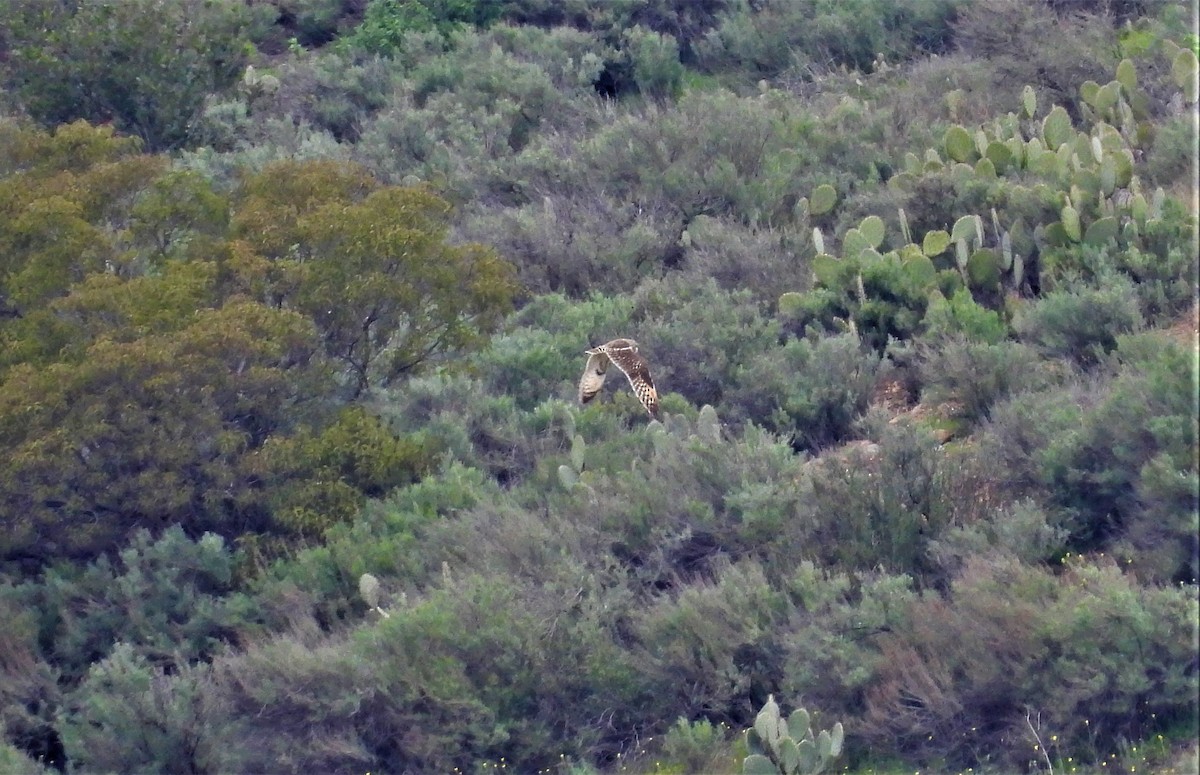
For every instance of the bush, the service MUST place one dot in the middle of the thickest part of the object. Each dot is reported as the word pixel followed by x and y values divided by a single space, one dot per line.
pixel 758 259
pixel 29 691
pixel 697 337
pixel 477 669
pixel 831 644
pixel 772 37
pixel 123 696
pixel 145 66
pixel 1022 530
pixel 1171 159
pixel 878 506
pixel 657 72
pixel 969 378
pixel 809 390
pixel 385 22
pixel 961 676
pixel 962 316
pixel 1012 39
pixel 1080 324
pixel 713 648
pixel 1111 473
pixel 164 598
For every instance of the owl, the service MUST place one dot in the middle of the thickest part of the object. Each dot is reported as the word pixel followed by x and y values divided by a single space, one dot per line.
pixel 623 353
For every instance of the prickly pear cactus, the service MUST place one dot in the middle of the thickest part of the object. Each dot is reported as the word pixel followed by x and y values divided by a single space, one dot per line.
pixel 781 746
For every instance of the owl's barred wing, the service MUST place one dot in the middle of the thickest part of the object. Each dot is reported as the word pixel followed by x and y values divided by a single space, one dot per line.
pixel 593 377
pixel 636 369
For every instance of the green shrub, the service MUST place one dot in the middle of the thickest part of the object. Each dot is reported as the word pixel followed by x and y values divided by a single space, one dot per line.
pixel 122 697
pixel 699 336
pixel 961 315
pixel 1110 471
pixel 145 66
pixel 30 694
pixel 1080 324
pixel 164 598
pixel 657 72
pixel 314 22
pixel 830 646
pixel 477 669
pixel 877 508
pixel 714 646
pixel 1088 662
pixel 385 22
pixel 740 257
pixel 773 37
pixel 969 378
pixel 1010 37
pixel 1172 155
pixel 809 390
pixel 1022 530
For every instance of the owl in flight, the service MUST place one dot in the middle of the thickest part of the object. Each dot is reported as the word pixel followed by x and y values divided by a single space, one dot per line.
pixel 624 353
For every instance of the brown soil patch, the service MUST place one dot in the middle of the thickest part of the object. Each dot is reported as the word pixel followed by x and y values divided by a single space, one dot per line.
pixel 1185 329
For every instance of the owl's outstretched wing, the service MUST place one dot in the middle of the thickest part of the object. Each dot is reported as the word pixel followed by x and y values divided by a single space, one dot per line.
pixel 593 376
pixel 636 369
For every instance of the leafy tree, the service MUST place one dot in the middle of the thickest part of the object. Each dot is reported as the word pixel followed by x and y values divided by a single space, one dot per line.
pixel 322 478
pixel 59 193
pixel 180 214
pixel 72 147
pixel 152 431
pixel 373 271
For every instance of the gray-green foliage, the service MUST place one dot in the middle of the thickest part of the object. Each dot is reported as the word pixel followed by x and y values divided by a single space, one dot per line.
pixel 655 59
pixel 1080 324
pixel 878 507
pixel 773 38
pixel 970 377
pixel 1073 657
pixel 123 697
pixel 810 390
pixel 571 577
pixel 142 64
pixel 789 747
pixel 702 336
pixel 164 598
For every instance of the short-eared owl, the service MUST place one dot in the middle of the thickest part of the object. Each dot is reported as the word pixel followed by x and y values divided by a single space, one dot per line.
pixel 624 353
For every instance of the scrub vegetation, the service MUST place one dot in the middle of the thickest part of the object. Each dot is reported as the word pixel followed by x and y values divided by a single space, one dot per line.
pixel 294 296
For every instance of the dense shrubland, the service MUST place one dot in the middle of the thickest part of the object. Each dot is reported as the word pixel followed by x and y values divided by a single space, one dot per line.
pixel 293 298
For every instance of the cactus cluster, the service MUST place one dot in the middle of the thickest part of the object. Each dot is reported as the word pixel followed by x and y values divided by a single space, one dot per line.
pixel 569 475
pixel 1077 187
pixel 781 746
pixel 676 427
pixel 368 589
